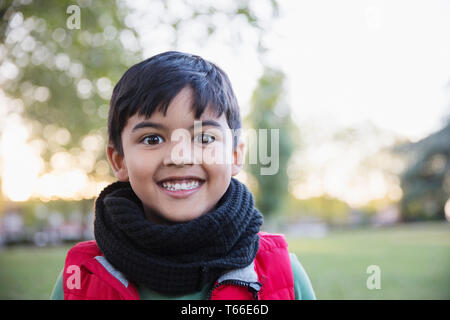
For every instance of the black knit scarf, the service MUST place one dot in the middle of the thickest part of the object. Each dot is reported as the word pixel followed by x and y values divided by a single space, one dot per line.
pixel 179 258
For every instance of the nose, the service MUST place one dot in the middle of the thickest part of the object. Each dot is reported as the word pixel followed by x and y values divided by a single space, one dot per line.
pixel 181 152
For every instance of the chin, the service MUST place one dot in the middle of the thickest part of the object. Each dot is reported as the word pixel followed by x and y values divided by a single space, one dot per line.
pixel 187 218
pixel 181 218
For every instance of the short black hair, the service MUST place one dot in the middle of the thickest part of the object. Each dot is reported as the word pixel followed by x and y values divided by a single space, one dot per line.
pixel 152 84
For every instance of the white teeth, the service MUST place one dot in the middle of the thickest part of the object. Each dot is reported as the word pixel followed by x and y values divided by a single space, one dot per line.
pixel 183 186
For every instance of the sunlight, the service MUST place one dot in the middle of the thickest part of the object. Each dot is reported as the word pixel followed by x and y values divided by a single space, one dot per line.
pixel 21 169
pixel 447 210
pixel 349 186
pixel 20 166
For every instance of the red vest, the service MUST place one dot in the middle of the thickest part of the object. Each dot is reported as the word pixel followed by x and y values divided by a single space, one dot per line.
pixel 88 275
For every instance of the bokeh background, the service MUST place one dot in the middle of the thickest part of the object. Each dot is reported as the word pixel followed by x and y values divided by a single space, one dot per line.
pixel 360 91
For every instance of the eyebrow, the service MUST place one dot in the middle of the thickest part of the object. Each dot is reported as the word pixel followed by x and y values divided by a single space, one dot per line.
pixel 206 123
pixel 149 124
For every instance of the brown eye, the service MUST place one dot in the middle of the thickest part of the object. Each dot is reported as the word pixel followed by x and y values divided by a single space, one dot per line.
pixel 152 139
pixel 205 138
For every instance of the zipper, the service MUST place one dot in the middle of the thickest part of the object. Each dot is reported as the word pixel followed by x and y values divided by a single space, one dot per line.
pixel 253 287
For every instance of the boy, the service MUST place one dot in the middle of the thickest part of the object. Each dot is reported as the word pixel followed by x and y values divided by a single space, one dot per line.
pixel 176 224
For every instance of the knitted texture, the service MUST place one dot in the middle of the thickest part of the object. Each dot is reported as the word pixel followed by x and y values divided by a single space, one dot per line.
pixel 179 258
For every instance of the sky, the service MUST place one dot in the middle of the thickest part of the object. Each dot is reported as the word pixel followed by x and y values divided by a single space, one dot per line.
pixel 384 61
pixel 387 62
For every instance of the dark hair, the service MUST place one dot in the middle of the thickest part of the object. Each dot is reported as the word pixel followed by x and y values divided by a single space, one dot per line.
pixel 152 84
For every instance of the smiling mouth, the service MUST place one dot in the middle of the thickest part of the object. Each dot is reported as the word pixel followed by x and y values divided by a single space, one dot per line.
pixel 176 185
pixel 181 188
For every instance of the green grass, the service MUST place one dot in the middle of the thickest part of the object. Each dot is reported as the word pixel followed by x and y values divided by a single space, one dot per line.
pixel 30 272
pixel 414 260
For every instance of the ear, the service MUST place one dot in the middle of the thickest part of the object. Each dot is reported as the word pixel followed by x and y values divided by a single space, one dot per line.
pixel 238 158
pixel 117 163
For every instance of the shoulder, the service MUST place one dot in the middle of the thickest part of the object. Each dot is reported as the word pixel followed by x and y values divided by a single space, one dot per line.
pixel 86 247
pixel 82 251
pixel 273 267
pixel 269 241
pixel 58 293
pixel 76 256
pixel 88 275
pixel 302 284
pixel 273 249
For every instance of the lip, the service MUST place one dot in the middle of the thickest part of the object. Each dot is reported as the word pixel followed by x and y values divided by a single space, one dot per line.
pixel 180 194
pixel 180 178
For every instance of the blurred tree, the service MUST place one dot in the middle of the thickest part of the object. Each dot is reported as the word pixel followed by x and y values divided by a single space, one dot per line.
pixel 326 208
pixel 60 76
pixel 426 180
pixel 269 111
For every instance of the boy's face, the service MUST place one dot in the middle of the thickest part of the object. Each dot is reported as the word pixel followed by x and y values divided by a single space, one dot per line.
pixel 176 185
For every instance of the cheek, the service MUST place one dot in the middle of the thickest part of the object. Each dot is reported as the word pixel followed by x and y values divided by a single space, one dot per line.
pixel 142 166
pixel 218 173
pixel 219 179
pixel 217 155
pixel 216 163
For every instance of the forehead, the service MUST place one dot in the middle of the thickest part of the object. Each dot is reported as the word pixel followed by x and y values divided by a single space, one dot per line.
pixel 180 114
